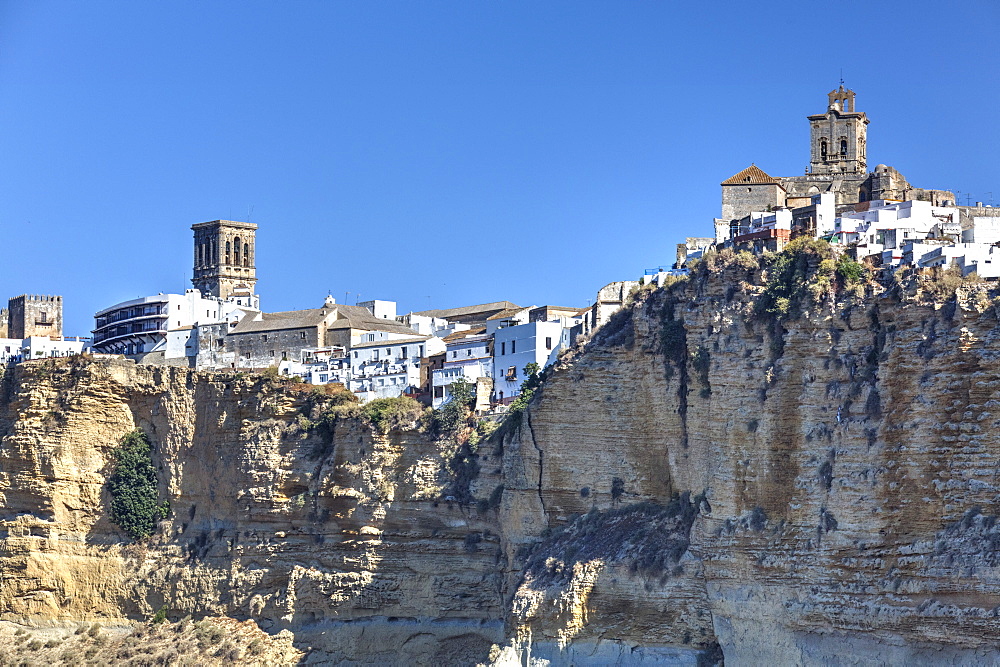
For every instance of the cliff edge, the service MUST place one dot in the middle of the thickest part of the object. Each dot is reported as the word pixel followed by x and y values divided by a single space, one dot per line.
pixel 735 468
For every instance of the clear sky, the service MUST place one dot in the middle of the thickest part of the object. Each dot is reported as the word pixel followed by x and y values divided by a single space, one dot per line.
pixel 446 153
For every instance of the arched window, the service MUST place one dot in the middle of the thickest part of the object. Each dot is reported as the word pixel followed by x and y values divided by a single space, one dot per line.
pixel 843 146
pixel 822 148
pixel 227 252
pixel 246 254
pixel 236 250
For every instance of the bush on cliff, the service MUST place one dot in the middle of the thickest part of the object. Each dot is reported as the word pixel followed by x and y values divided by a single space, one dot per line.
pixel 386 414
pixel 804 268
pixel 453 415
pixel 134 488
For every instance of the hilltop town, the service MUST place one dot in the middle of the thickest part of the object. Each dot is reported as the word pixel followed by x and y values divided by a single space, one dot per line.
pixel 876 217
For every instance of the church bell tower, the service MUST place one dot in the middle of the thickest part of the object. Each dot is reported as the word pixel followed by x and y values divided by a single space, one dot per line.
pixel 224 252
pixel 837 137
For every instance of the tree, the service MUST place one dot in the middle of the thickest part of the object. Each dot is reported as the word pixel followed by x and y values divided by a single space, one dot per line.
pixel 134 488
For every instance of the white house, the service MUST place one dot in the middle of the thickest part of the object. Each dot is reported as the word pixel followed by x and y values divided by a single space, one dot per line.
pixel 514 347
pixel 890 225
pixel 387 367
pixel 467 356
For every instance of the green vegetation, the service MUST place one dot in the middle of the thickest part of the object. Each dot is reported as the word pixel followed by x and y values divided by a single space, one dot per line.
pixel 850 272
pixel 454 414
pixel 134 488
pixel 386 414
pixel 533 379
pixel 805 271
pixel 160 616
pixel 945 281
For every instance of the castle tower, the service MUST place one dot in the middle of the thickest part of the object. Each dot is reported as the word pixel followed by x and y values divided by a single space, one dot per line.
pixel 224 253
pixel 837 138
pixel 34 315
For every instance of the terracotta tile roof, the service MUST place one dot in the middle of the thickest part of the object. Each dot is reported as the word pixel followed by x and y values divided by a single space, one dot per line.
pixel 289 319
pixel 752 174
pixel 445 313
pixel 359 317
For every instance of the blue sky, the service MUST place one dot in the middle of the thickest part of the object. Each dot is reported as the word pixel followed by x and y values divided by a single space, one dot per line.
pixel 445 153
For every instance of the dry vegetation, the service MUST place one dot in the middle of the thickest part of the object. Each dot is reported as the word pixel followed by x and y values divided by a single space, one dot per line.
pixel 211 641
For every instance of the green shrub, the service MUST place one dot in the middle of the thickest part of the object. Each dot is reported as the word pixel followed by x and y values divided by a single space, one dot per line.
pixel 134 488
pixel 160 616
pixel 793 274
pixel 386 414
pixel 850 272
pixel 455 413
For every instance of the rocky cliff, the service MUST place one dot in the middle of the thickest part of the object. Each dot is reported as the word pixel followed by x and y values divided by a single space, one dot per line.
pixel 707 479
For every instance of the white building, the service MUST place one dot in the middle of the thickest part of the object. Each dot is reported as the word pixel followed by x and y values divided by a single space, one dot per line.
pixel 467 356
pixel 514 347
pixel 320 365
pixel 39 347
pixel 164 325
pixel 388 367
pixel 890 225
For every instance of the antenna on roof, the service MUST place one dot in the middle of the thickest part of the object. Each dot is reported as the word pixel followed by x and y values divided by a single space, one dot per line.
pixel 841 77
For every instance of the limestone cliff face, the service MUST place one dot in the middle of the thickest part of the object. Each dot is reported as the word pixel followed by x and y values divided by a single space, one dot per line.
pixel 698 482
pixel 842 466
pixel 327 532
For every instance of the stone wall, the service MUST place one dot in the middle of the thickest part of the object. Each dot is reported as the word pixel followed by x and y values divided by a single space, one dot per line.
pixel 739 200
pixel 260 349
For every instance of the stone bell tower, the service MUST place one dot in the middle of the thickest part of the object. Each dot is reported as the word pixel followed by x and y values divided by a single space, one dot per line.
pixel 837 137
pixel 224 252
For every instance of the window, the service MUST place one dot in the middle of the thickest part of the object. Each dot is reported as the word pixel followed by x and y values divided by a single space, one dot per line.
pixel 246 355
pixel 388 351
pixel 355 355
pixel 511 373
pixel 548 342
pixel 421 350
pixel 503 348
pixel 264 337
pixel 302 335
pixel 272 353
pixel 438 392
pixel 843 147
pixel 454 354
pixel 402 352
pixel 469 352
pixel 513 346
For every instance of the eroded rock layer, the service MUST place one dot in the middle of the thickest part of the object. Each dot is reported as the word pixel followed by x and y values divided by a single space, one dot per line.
pixel 700 481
